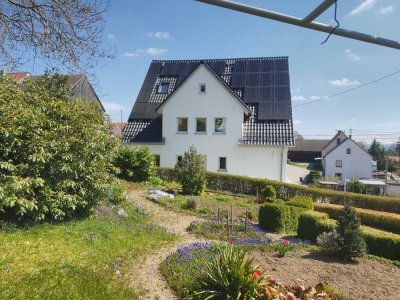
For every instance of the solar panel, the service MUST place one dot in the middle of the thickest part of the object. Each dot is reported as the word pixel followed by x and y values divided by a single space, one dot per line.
pixel 267 79
pixel 252 79
pixel 267 65
pixel 253 66
pixel 168 68
pixel 240 66
pixel 180 68
pixel 281 78
pixel 217 66
pixel 155 68
pixel 252 94
pixel 238 80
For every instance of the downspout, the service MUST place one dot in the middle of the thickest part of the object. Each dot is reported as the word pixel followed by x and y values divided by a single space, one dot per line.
pixel 282 163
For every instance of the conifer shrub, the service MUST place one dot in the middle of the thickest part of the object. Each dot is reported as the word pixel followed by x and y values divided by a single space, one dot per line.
pixel 191 172
pixel 353 242
pixel 269 193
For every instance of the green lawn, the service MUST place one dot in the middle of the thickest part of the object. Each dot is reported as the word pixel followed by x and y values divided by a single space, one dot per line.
pixel 82 259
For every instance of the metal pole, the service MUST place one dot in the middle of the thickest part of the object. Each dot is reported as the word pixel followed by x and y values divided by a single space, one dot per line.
pixel 264 13
pixel 318 11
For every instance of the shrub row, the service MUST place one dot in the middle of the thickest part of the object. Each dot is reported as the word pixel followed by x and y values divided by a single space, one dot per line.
pixel 286 191
pixel 379 243
pixel 279 217
pixel 376 219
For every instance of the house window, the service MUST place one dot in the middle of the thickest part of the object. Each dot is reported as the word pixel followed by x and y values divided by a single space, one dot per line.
pixel 222 164
pixel 348 150
pixel 157 160
pixel 163 88
pixel 338 163
pixel 182 124
pixel 220 125
pixel 202 88
pixel 201 125
pixel 338 175
pixel 178 159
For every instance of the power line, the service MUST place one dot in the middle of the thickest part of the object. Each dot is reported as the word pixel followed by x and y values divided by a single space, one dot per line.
pixel 349 90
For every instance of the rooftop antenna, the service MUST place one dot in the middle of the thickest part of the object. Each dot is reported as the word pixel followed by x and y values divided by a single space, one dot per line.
pixel 306 22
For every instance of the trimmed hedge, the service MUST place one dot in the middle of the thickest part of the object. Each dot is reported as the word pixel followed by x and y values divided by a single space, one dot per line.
pixel 379 243
pixel 246 185
pixel 301 201
pixel 312 224
pixel 279 217
pixel 376 219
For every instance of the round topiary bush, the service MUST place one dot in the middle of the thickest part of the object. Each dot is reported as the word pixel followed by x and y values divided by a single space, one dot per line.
pixel 269 193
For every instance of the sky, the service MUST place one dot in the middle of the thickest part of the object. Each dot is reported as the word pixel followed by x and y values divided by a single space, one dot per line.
pixel 142 31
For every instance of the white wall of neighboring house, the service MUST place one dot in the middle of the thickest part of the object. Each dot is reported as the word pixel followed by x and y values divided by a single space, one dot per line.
pixel 217 102
pixel 332 144
pixel 358 164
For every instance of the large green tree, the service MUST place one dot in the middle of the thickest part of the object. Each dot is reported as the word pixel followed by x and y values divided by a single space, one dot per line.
pixel 397 148
pixel 378 153
pixel 55 155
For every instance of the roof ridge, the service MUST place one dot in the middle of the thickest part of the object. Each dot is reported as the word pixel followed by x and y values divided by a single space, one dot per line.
pixel 223 59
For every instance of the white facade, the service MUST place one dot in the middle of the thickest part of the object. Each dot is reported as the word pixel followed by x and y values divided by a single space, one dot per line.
pixel 348 160
pixel 217 102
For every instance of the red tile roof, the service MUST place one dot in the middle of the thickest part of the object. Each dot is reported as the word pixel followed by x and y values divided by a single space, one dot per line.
pixel 18 76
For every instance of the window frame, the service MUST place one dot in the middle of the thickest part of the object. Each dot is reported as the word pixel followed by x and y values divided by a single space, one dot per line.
pixel 200 88
pixel 215 127
pixel 339 163
pixel 160 86
pixel 177 124
pixel 338 175
pixel 197 129
pixel 348 151
pixel 219 164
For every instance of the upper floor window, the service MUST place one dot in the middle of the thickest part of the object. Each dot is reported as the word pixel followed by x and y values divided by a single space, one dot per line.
pixel 163 88
pixel 338 163
pixel 182 124
pixel 348 150
pixel 220 125
pixel 338 141
pixel 201 125
pixel 202 88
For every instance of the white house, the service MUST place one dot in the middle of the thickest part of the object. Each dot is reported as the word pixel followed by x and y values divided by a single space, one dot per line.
pixel 236 112
pixel 343 158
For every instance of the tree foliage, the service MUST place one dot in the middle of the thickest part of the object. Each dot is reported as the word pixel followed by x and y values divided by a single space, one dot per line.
pixel 356 186
pixel 191 172
pixel 55 155
pixel 378 153
pixel 352 243
pixel 269 193
pixel 397 148
pixel 56 31
pixel 135 163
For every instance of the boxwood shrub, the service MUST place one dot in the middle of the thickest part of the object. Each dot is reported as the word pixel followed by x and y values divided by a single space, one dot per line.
pixel 301 201
pixel 279 217
pixel 379 243
pixel 286 191
pixel 376 219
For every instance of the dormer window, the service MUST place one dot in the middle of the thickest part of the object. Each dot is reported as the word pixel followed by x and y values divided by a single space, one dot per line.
pixel 163 88
pixel 202 88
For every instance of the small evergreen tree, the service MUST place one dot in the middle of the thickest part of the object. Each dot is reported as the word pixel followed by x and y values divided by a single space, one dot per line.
pixel 269 193
pixel 191 172
pixel 378 153
pixel 352 243
pixel 356 186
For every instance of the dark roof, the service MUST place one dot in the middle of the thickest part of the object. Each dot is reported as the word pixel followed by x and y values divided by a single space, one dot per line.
pixel 309 145
pixel 259 83
pixel 237 97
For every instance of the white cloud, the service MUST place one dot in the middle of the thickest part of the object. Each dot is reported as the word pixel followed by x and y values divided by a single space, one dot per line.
pixel 148 51
pixel 111 36
pixel 364 6
pixel 296 122
pixel 343 82
pixel 315 97
pixel 386 9
pixel 353 119
pixel 159 34
pixel 112 106
pixel 156 51
pixel 351 55
pixel 298 98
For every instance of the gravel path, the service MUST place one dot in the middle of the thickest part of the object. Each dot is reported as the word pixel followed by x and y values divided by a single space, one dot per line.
pixel 147 278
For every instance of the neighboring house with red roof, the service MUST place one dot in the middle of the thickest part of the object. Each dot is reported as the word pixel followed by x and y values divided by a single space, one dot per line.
pixel 117 129
pixel 79 84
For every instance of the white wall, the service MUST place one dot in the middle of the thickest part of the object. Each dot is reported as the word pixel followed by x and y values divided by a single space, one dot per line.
pixel 253 161
pixel 393 190
pixel 358 164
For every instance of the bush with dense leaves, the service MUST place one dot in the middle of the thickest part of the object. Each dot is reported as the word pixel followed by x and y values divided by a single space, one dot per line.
pixel 353 243
pixel 330 241
pixel 191 172
pixel 279 217
pixel 135 163
pixel 269 193
pixel 55 155
pixel 301 201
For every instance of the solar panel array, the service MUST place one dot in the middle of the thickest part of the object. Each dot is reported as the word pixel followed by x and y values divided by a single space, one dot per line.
pixel 258 81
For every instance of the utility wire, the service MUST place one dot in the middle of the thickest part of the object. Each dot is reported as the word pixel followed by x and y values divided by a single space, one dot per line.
pixel 349 90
